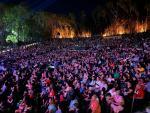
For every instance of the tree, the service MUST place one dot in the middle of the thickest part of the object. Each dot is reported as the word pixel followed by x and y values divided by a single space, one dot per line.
pixel 14 20
pixel 2 30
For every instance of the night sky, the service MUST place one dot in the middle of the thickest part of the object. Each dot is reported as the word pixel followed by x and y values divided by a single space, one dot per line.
pixel 69 6
pixel 58 6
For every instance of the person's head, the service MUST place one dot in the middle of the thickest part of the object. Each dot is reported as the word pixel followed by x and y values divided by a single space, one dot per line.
pixel 93 78
pixel 51 101
pixel 110 76
pixel 138 86
pixel 97 78
pixel 108 95
pixel 118 92
pixel 128 84
pixel 113 89
pixel 94 97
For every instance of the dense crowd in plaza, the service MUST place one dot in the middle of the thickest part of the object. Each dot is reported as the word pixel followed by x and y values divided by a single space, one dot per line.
pixel 91 75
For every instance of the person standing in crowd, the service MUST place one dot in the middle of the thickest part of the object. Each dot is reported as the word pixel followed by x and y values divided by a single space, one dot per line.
pixel 95 105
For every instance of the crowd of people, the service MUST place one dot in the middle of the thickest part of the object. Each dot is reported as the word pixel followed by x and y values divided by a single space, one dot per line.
pixel 89 75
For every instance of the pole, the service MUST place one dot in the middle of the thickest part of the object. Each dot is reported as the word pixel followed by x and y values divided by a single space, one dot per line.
pixel 132 104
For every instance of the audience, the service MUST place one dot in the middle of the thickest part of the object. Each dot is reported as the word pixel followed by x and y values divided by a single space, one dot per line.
pixel 76 76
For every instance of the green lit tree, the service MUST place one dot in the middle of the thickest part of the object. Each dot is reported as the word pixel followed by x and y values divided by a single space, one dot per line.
pixel 14 20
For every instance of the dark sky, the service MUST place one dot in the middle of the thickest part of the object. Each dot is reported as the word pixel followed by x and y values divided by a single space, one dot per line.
pixel 58 6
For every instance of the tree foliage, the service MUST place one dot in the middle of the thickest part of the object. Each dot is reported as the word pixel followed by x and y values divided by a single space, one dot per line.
pixel 14 20
pixel 33 26
pixel 111 11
